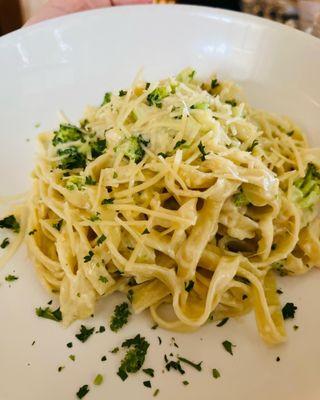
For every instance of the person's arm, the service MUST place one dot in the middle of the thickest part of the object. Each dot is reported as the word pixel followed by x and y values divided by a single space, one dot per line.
pixel 57 8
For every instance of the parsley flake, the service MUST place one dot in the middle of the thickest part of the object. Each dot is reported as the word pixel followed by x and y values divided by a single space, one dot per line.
pixel 84 390
pixel 49 314
pixel 289 310
pixel 202 150
pixel 222 322
pixel 120 316
pixel 215 373
pixel 98 380
pixel 188 287
pixel 228 346
pixel 5 243
pixel 10 222
pixel 88 257
pixel 84 334
pixel 192 364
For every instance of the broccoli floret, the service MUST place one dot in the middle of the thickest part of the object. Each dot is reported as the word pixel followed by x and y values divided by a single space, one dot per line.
pixel 98 147
pixel 72 158
pixel 156 96
pixel 75 182
pixel 240 199
pixel 308 188
pixel 67 133
pixel 134 149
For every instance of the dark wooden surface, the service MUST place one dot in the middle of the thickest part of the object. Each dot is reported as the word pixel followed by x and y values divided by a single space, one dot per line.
pixel 10 16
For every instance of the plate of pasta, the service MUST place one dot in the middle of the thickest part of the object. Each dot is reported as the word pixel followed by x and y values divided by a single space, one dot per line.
pixel 160 229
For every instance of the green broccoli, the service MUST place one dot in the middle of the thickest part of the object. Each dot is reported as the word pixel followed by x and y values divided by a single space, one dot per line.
pixel 98 147
pixel 156 96
pixel 72 158
pixel 308 188
pixel 75 182
pixel 240 199
pixel 67 133
pixel 135 150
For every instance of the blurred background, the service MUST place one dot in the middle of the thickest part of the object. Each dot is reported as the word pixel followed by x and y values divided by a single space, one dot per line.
pixel 300 14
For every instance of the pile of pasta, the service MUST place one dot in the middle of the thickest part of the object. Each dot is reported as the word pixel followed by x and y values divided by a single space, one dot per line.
pixel 180 194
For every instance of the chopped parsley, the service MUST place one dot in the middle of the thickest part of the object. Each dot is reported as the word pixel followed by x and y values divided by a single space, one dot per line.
pixel 202 150
pixel 84 390
pixel 159 340
pixel 185 383
pixel 10 222
pixel 156 392
pixel 278 359
pixel 98 380
pixel 164 155
pixel 179 144
pixel 103 358
pixel 232 102
pixel 101 239
pixel 103 279
pixel 58 225
pixel 107 98
pixel 69 345
pixel 228 346
pixel 192 364
pixel 95 217
pixel 5 243
pixel 49 314
pixel 174 365
pixel 222 322
pixel 61 368
pixel 253 145
pixel 88 257
pixel 130 295
pixel 279 291
pixel 115 350
pixel 107 201
pixel 72 357
pixel 135 356
pixel 149 371
pixel 214 83
pixel 120 316
pixel 215 373
pixel 290 133
pixel 11 278
pixel 84 334
pixel 188 287
pixel 295 327
pixel 122 93
pixel 145 232
pixel 289 310
pixel 32 232
pixel 155 326
pixel 147 384
pixel 90 181
pixel 156 96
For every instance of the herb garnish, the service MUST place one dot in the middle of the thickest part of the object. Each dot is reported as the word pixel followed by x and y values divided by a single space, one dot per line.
pixel 115 350
pixel 120 316
pixel 122 93
pixel 98 380
pixel 228 346
pixel 72 357
pixel 107 98
pixel 32 232
pixel 107 201
pixel 135 356
pixel 145 232
pixel 179 144
pixel 189 286
pixel 289 310
pixel 5 243
pixel 174 365
pixel 149 371
pixel 202 150
pixel 10 222
pixel 185 383
pixel 88 257
pixel 49 314
pixel 215 373
pixel 253 145
pixel 103 279
pixel 101 239
pixel 70 344
pixel 147 384
pixel 83 391
pixel 58 225
pixel 222 322
pixel 214 83
pixel 11 278
pixel 90 181
pixel 84 334
pixel 156 392
pixel 103 358
pixel 192 364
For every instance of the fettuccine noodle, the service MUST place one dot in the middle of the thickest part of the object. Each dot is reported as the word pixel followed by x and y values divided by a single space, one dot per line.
pixel 181 193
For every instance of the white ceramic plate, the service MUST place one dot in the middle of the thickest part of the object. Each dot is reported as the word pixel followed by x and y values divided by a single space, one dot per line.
pixel 67 63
